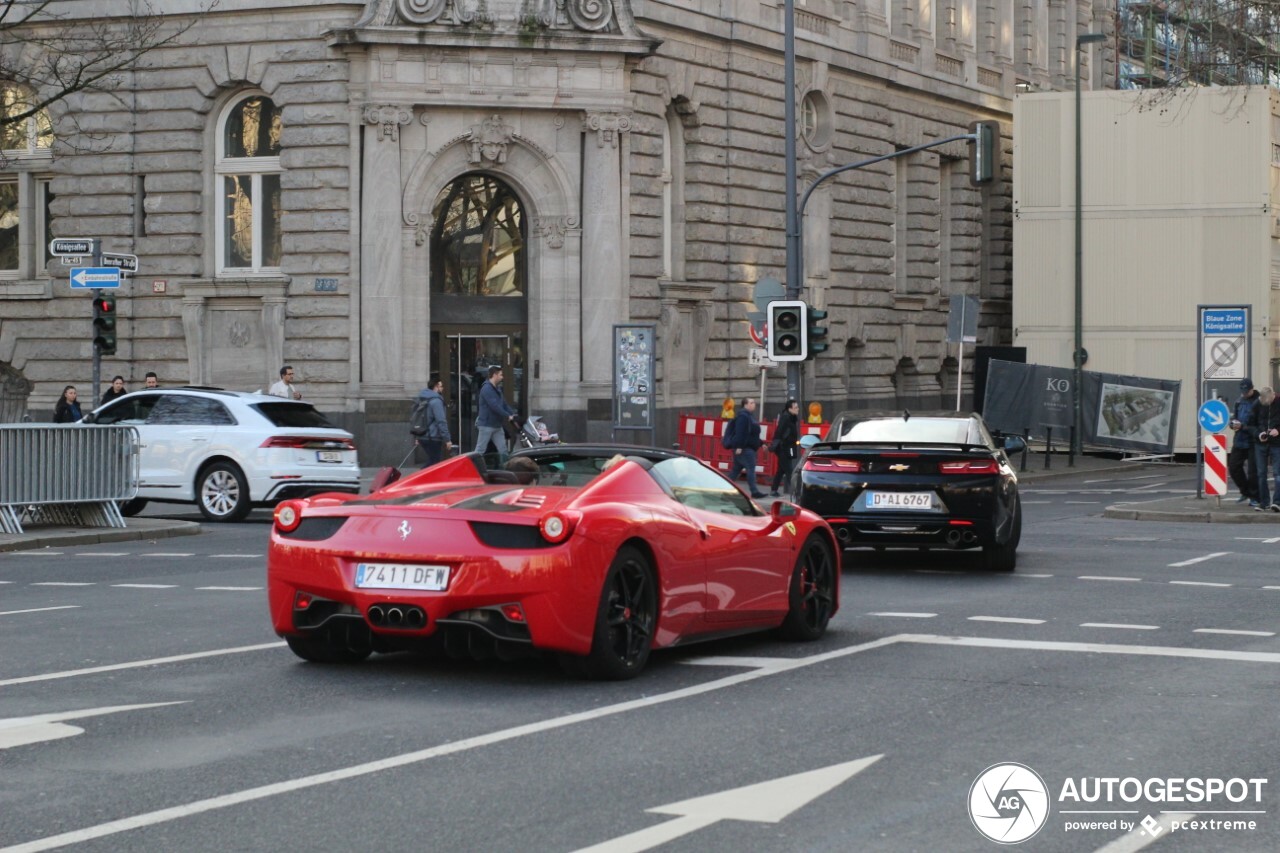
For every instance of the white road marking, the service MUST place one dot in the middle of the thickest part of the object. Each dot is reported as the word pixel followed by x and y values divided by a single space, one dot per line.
pixel 729 660
pixel 230 588
pixel 1013 620
pixel 20 731
pixel 1031 575
pixel 262 792
pixel 235 556
pixel 1106 578
pixel 1195 560
pixel 101 554
pixel 163 554
pixel 1037 502
pixel 1261 539
pixel 40 609
pixel 1234 633
pixel 1121 626
pixel 1136 839
pixel 64 583
pixel 145 585
pixel 42 553
pixel 1271 587
pixel 115 667
pixel 1201 583
pixel 905 615
pixel 1082 502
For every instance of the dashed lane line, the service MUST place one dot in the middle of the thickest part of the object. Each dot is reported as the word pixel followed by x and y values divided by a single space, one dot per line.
pixel 1090 503
pixel 230 588
pixel 39 609
pixel 1261 539
pixel 137 664
pixel 905 615
pixel 236 556
pixel 42 553
pixel 1012 620
pixel 1108 578
pixel 101 554
pixel 1202 583
pixel 1195 560
pixel 145 585
pixel 1120 626
pixel 1233 632
pixel 1032 575
pixel 163 554
pixel 64 583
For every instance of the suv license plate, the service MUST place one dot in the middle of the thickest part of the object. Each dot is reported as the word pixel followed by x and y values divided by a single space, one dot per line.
pixel 899 500
pixel 401 576
pixel 328 455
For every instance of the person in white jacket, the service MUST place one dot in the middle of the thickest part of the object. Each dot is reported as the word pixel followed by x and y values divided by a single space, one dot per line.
pixel 284 388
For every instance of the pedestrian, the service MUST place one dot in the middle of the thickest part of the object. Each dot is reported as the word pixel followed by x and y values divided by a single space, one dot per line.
pixel 786 443
pixel 284 388
pixel 116 390
pixel 744 440
pixel 1240 462
pixel 494 413
pixel 67 410
pixel 151 380
pixel 1264 422
pixel 525 469
pixel 436 441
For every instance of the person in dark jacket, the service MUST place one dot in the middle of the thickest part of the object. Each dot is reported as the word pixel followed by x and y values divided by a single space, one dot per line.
pixel 67 410
pixel 116 390
pixel 744 441
pixel 437 441
pixel 786 443
pixel 494 413
pixel 1240 462
pixel 1265 424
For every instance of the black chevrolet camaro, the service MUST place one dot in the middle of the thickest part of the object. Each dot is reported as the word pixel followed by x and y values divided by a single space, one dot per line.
pixel 915 480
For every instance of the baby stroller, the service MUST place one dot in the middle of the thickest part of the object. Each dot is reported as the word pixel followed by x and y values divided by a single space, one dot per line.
pixel 534 433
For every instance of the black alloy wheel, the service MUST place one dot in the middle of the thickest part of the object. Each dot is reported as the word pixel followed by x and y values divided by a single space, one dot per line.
pixel 1004 558
pixel 625 620
pixel 812 592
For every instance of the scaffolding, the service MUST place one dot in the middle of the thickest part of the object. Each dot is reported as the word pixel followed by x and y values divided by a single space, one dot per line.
pixel 1197 43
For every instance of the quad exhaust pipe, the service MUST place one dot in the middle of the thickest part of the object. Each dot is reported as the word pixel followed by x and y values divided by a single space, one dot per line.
pixel 396 616
pixel 842 534
pixel 953 537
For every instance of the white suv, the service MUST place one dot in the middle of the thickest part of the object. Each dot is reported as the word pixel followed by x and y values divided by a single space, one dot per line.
pixel 228 451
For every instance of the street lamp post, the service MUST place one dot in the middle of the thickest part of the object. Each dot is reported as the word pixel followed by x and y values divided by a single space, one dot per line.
pixel 1077 441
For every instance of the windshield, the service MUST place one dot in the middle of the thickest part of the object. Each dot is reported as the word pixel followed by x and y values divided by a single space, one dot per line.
pixel 898 431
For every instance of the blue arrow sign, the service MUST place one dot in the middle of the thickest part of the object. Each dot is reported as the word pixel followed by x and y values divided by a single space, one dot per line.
pixel 86 277
pixel 1214 415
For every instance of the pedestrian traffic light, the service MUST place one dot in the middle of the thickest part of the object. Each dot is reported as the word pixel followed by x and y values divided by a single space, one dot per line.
pixel 104 323
pixel 817 334
pixel 788 334
pixel 983 152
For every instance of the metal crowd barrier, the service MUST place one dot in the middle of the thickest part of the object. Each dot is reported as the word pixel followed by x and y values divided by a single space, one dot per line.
pixel 69 474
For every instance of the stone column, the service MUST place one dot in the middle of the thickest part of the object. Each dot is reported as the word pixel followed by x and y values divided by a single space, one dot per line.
pixel 381 252
pixel 604 288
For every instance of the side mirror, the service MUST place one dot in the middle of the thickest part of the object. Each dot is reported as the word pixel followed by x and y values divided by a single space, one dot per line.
pixel 1014 444
pixel 808 441
pixel 782 510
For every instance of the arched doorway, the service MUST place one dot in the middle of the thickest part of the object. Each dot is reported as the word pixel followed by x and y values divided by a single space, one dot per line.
pixel 479 295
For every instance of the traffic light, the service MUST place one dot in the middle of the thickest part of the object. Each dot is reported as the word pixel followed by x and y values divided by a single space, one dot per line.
pixel 983 152
pixel 788 334
pixel 817 334
pixel 104 323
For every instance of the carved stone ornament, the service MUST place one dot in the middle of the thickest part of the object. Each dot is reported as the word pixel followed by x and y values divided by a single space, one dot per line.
pixel 389 118
pixel 472 12
pixel 239 335
pixel 421 11
pixel 553 228
pixel 590 15
pixel 608 127
pixel 489 140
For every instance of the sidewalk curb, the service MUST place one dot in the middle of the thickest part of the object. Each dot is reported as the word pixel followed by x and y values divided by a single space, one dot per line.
pixel 35 540
pixel 1127 512
pixel 1033 473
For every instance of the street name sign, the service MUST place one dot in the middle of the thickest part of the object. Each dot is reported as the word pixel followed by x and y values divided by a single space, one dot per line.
pixel 62 246
pixel 87 277
pixel 125 263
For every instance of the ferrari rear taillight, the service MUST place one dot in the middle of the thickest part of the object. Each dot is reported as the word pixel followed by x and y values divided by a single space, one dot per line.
pixel 304 442
pixel 827 463
pixel 976 466
pixel 513 612
pixel 302 600
pixel 288 516
pixel 556 527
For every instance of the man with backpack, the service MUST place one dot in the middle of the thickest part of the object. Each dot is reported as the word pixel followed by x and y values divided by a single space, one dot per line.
pixel 743 437
pixel 428 422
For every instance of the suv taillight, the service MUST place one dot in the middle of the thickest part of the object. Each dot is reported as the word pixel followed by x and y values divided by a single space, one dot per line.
pixel 303 442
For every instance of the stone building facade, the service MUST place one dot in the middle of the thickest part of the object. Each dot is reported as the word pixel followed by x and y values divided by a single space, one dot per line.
pixel 375 192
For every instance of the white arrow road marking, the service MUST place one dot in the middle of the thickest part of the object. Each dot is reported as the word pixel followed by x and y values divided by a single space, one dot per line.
pixel 20 731
pixel 763 802
pixel 40 609
pixel 113 667
pixel 1195 560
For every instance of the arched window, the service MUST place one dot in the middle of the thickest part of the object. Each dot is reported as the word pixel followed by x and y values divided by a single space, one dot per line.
pixel 477 243
pixel 26 140
pixel 247 176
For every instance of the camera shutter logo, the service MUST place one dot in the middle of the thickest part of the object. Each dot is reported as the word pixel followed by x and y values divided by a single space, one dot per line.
pixel 1008 803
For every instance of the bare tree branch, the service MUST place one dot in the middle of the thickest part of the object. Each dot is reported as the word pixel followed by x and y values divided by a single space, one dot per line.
pixel 1173 43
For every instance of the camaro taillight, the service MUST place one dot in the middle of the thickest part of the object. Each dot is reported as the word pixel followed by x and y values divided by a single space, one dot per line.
pixel 827 463
pixel 555 527
pixel 304 442
pixel 288 516
pixel 977 466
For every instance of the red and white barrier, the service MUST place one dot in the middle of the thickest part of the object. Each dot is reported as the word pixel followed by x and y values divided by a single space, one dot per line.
pixel 1215 465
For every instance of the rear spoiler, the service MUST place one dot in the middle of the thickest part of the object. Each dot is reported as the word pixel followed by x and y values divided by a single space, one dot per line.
pixel 960 447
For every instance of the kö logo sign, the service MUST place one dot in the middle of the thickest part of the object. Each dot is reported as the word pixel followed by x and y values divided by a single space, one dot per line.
pixel 1059 386
pixel 1008 803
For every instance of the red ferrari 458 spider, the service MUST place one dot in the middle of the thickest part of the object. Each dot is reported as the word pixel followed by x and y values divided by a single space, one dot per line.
pixel 593 554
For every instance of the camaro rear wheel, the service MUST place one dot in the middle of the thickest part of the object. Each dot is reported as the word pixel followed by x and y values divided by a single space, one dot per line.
pixel 223 493
pixel 1004 558
pixel 812 591
pixel 333 644
pixel 625 619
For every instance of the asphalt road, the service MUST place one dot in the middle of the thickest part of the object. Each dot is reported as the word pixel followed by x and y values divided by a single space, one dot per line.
pixel 1118 649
